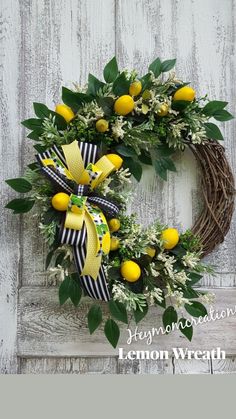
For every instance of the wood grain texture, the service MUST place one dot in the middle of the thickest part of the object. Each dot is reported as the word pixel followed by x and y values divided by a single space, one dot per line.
pixel 111 365
pixel 46 329
pixel 50 43
pixel 104 365
pixel 10 167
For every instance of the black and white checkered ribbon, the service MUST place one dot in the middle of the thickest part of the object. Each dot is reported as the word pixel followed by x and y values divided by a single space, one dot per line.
pixel 98 288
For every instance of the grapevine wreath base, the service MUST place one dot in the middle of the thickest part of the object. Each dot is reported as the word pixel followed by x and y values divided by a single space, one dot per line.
pixel 79 186
pixel 218 192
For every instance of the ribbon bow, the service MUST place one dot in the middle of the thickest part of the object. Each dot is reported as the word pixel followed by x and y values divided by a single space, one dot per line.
pixel 85 225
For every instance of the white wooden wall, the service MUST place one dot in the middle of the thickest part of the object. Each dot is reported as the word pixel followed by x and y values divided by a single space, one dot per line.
pixel 49 43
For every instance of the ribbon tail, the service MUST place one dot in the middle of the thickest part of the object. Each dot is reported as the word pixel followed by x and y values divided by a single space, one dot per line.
pixel 93 261
pixel 98 289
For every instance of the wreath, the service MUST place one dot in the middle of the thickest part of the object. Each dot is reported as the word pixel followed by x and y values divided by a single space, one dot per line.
pixel 79 186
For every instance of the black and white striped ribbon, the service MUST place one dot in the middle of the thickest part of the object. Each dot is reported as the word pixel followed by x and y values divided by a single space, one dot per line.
pixel 96 289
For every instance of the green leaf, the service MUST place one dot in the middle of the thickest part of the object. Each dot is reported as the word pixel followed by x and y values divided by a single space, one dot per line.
pixel 167 65
pixel 178 251
pixel 139 315
pixel 163 150
pixel 195 277
pixel 94 318
pixel 59 259
pixel 196 309
pixel 169 316
pixel 223 115
pixel 121 85
pixel 180 105
pixel 212 131
pixel 111 71
pixel 40 148
pixel 74 99
pixel 126 151
pixel 70 288
pixel 163 164
pixel 75 289
pixel 19 184
pixel 49 258
pixel 146 81
pixel 215 105
pixel 107 104
pixel 189 292
pixel 145 158
pixel 134 167
pixel 118 311
pixel 20 205
pixel 155 67
pixel 94 85
pixel 160 169
pixel 41 110
pixel 49 216
pixel 59 121
pixel 32 123
pixel 34 135
pixel 64 290
pixel 112 332
pixel 34 166
pixel 185 329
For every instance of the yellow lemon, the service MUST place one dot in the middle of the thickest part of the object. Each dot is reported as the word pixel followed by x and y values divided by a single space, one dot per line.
pixel 151 251
pixel 185 93
pixel 106 243
pixel 124 105
pixel 65 111
pixel 163 110
pixel 116 160
pixel 85 178
pixel 170 237
pixel 102 125
pixel 130 271
pixel 114 225
pixel 135 88
pixel 60 201
pixel 115 244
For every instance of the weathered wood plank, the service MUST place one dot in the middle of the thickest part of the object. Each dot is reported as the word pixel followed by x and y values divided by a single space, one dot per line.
pixel 10 167
pixel 192 366
pixel 46 329
pixel 224 366
pixel 145 366
pixel 68 365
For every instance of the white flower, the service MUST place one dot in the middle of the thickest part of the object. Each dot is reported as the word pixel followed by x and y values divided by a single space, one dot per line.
pixel 117 130
pixel 198 137
pixel 155 294
pixel 208 298
pixel 57 274
pixel 67 249
pixel 181 277
pixel 169 262
pixel 190 260
pixel 154 272
pixel 131 300
pixel 179 300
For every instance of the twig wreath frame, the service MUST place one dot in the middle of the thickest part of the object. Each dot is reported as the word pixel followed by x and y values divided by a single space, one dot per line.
pixel 218 190
pixel 87 150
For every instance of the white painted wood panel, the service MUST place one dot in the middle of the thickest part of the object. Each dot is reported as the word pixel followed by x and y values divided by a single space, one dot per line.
pixel 10 167
pixel 45 328
pixel 50 43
